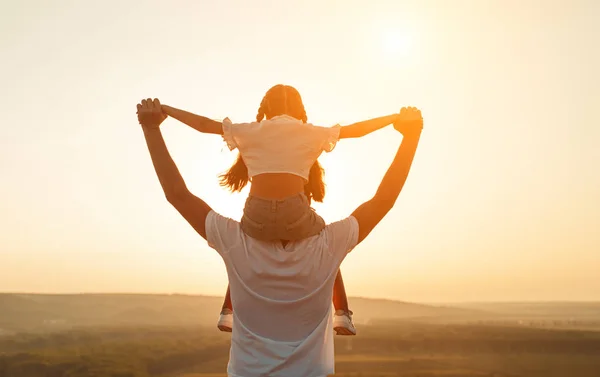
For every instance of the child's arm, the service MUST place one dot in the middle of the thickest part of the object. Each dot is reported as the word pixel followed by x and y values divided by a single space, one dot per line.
pixel 366 127
pixel 197 122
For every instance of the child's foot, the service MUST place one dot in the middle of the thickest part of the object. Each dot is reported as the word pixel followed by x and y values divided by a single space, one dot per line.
pixel 342 323
pixel 225 323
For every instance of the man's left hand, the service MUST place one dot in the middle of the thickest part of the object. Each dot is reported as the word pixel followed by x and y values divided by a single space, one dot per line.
pixel 150 114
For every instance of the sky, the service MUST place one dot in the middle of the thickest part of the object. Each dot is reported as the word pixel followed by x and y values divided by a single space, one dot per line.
pixel 502 202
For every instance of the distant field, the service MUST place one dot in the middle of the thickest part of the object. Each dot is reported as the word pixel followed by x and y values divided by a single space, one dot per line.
pixel 27 312
pixel 467 366
pixel 176 336
pixel 401 349
pixel 42 312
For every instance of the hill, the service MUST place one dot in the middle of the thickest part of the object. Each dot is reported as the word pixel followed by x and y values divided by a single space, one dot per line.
pixel 539 310
pixel 41 311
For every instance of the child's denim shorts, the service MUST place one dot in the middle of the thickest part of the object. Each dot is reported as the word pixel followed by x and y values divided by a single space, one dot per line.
pixel 288 219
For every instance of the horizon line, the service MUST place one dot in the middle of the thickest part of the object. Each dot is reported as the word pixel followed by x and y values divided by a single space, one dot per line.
pixel 349 297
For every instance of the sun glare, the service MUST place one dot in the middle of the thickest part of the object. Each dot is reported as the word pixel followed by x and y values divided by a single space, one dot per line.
pixel 396 44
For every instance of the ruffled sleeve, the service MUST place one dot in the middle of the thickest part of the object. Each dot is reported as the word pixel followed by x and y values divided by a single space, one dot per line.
pixel 332 135
pixel 228 134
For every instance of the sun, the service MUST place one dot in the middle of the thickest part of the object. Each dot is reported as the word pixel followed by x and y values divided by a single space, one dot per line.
pixel 396 44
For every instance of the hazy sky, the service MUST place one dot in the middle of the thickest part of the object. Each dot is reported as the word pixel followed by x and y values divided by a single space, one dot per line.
pixel 502 203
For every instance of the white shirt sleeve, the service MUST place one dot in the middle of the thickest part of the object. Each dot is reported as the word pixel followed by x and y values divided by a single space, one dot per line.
pixel 342 237
pixel 326 137
pixel 235 134
pixel 222 233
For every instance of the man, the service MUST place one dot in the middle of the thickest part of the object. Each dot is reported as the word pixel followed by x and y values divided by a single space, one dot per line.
pixel 282 292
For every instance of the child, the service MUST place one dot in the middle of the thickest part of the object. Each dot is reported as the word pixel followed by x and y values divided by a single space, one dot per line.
pixel 279 156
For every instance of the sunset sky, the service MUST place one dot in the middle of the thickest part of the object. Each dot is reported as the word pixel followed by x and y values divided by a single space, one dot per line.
pixel 502 203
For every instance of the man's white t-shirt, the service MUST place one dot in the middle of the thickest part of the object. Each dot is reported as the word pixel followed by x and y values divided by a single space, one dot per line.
pixel 281 298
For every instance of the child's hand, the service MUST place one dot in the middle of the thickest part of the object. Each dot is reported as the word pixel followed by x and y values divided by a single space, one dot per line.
pixel 150 114
pixel 410 121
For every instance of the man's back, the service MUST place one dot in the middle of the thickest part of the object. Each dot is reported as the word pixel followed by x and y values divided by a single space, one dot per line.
pixel 255 302
pixel 282 298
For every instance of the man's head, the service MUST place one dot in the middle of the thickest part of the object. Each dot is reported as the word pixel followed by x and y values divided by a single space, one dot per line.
pixel 281 100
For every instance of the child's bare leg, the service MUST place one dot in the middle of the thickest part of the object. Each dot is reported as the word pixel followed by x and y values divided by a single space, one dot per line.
pixel 227 302
pixel 226 318
pixel 342 321
pixel 340 300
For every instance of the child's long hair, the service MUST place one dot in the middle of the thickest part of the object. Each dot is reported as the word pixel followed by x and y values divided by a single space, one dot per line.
pixel 279 100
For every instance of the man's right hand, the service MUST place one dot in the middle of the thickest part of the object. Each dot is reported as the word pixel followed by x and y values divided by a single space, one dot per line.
pixel 150 114
pixel 410 121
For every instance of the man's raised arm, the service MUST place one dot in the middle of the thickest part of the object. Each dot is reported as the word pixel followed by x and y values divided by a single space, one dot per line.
pixel 192 208
pixel 370 213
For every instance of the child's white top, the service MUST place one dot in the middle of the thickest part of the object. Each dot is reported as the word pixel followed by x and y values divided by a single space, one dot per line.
pixel 282 144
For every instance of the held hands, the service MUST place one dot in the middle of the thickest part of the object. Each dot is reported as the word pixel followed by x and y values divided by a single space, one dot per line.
pixel 409 122
pixel 150 114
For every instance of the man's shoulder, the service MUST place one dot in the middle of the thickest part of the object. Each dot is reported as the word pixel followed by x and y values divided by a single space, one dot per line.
pixel 221 231
pixel 221 223
pixel 341 236
pixel 343 224
pixel 220 219
pixel 344 229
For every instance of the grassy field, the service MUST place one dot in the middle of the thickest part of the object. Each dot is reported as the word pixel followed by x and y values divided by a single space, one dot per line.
pixel 405 349
pixel 468 366
pixel 176 336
